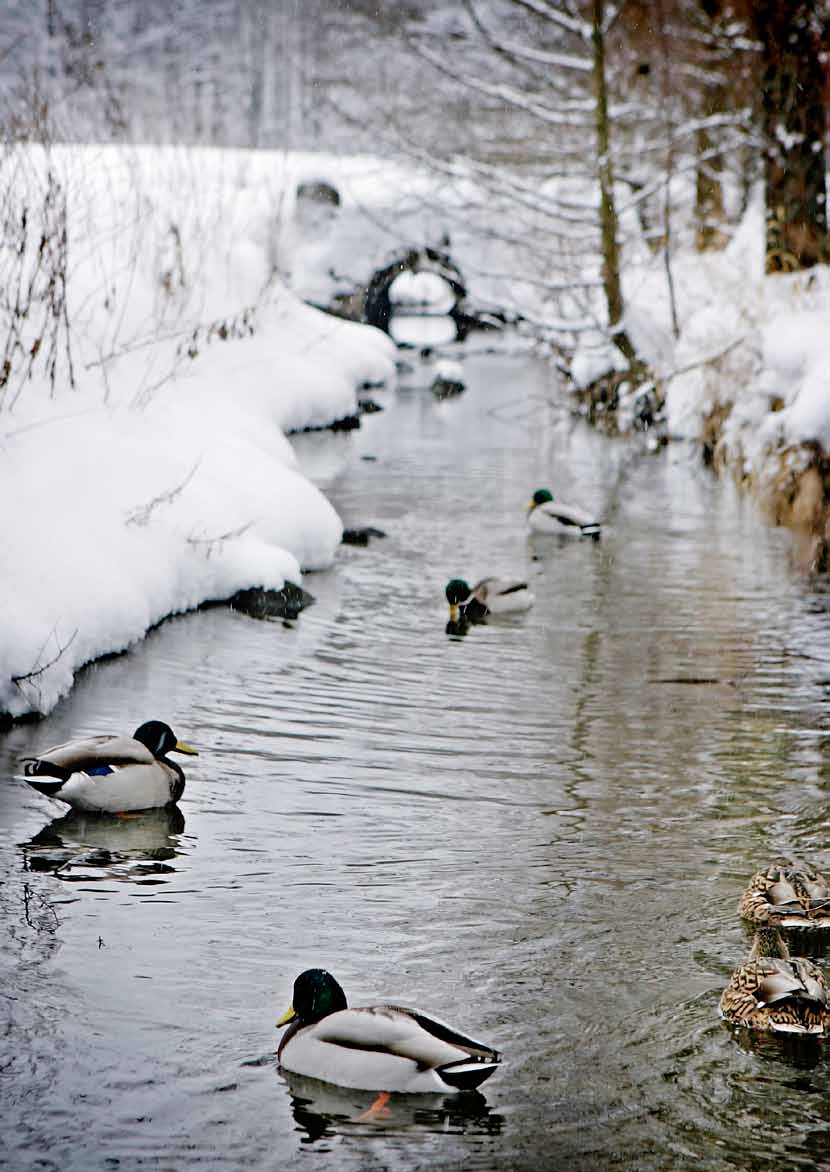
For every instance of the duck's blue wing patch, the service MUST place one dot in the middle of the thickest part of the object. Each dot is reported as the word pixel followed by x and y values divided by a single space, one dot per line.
pixel 99 771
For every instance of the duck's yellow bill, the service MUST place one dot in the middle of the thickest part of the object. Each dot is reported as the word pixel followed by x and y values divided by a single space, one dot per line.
pixel 454 612
pixel 288 1016
pixel 530 505
pixel 181 747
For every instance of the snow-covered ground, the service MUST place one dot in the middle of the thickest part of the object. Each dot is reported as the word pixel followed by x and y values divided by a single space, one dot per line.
pixel 153 473
pixel 749 370
pixel 144 465
pixel 751 351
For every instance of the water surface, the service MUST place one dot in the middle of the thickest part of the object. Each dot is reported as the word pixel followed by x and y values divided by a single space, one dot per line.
pixel 538 831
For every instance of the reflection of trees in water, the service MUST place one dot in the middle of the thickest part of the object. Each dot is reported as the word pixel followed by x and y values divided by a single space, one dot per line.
pixel 84 846
pixel 31 921
pixel 323 1110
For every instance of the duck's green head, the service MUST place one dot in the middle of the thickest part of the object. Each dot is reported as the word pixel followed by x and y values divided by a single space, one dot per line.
pixel 316 995
pixel 541 496
pixel 160 739
pixel 457 592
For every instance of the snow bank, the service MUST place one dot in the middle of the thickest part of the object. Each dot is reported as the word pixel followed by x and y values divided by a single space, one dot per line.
pixel 754 351
pixel 748 373
pixel 147 470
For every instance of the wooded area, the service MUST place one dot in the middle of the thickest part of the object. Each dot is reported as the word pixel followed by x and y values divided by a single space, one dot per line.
pixel 669 109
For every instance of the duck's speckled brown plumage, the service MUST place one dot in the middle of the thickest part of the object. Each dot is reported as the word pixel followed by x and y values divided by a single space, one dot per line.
pixel 774 991
pixel 788 894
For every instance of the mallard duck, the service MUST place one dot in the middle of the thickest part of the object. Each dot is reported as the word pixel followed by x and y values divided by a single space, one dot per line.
pixel 791 895
pixel 489 596
pixel 377 1047
pixel 772 990
pixel 545 515
pixel 112 774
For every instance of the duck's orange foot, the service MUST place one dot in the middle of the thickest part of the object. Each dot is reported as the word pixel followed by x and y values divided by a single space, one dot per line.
pixel 378 1109
pixel 128 814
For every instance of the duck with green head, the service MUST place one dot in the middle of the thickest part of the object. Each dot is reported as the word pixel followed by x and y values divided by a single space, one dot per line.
pixel 549 516
pixel 489 596
pixel 112 774
pixel 376 1047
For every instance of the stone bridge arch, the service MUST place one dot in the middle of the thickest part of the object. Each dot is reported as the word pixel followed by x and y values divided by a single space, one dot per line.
pixel 377 307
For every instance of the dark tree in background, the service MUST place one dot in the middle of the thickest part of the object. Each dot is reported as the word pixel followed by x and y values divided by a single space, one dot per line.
pixel 715 56
pixel 609 225
pixel 793 36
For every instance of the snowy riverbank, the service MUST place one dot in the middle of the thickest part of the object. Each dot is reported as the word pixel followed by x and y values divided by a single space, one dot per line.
pixel 144 466
pixel 740 357
pixel 746 377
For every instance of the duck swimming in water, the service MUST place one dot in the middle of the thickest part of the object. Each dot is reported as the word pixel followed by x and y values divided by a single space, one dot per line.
pixel 789 895
pixel 774 991
pixel 489 596
pixel 377 1047
pixel 546 515
pixel 112 774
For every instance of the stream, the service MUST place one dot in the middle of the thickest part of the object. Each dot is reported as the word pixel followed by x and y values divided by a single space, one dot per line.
pixel 538 831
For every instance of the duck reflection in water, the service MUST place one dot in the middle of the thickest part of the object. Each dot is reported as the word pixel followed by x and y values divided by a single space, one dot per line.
pixel 138 847
pixel 457 628
pixel 323 1110
pixel 801 1051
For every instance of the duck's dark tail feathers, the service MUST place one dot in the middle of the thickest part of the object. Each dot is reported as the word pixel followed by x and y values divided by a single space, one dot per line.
pixel 48 786
pixel 50 777
pixel 468 1073
pixel 593 530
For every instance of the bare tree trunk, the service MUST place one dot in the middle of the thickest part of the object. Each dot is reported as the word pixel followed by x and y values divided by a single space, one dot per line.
pixel 666 103
pixel 709 209
pixel 793 109
pixel 710 213
pixel 607 207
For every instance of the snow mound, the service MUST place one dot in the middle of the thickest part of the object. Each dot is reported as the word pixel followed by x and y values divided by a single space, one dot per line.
pixel 149 471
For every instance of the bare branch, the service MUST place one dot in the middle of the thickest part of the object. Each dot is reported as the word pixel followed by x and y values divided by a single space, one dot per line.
pixel 708 360
pixel 214 544
pixel 142 515
pixel 524 55
pixel 573 114
pixel 38 671
pixel 579 28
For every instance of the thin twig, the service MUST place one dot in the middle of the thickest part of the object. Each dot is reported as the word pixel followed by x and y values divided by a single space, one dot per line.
pixel 141 515
pixel 218 541
pixel 35 672
pixel 708 361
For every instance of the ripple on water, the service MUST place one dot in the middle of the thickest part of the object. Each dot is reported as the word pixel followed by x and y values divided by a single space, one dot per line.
pixel 539 831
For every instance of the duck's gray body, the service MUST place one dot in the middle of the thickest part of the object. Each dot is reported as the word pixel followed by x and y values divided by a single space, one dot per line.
pixel 111 774
pixel 387 1048
pixel 502 595
pixel 555 517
